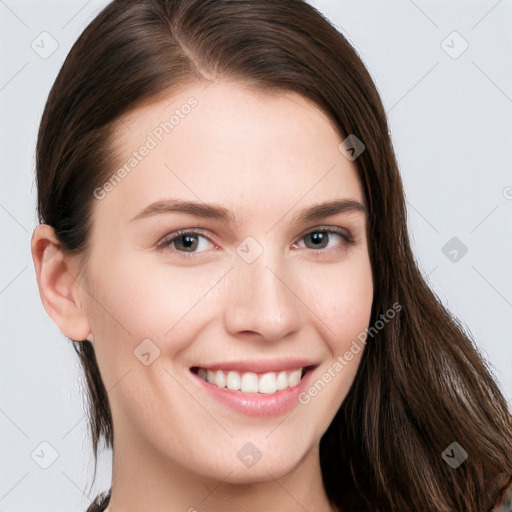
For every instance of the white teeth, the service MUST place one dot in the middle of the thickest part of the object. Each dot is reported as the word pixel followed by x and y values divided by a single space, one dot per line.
pixel 250 382
pixel 220 379
pixel 233 381
pixel 282 381
pixel 267 383
pixel 294 378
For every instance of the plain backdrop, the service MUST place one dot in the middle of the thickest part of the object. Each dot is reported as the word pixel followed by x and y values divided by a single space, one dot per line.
pixel 443 71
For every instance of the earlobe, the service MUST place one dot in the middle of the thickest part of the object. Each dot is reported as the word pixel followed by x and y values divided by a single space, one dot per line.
pixel 56 274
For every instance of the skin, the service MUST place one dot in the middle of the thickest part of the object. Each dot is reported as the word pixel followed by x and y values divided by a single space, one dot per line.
pixel 265 157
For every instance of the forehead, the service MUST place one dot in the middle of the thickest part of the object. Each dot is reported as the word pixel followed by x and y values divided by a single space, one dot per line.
pixel 227 144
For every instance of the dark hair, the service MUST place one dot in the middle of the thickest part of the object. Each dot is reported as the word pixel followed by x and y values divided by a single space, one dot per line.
pixel 421 383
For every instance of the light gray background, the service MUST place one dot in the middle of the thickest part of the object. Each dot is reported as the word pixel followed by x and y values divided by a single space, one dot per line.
pixel 451 124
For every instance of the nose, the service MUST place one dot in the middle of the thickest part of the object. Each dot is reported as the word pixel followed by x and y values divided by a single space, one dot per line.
pixel 263 299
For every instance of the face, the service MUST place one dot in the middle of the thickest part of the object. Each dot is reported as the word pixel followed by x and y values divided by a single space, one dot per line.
pixel 232 277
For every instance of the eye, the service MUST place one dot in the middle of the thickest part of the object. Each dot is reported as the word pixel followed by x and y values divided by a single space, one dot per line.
pixel 185 243
pixel 320 237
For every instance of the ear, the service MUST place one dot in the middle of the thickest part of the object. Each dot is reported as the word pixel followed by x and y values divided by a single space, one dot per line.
pixel 59 288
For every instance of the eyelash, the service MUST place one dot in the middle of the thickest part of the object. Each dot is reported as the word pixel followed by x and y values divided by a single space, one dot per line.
pixel 166 242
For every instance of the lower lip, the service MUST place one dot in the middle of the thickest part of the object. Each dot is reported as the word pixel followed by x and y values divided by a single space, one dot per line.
pixel 257 404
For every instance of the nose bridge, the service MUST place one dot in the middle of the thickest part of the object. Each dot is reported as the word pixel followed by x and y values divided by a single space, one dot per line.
pixel 262 298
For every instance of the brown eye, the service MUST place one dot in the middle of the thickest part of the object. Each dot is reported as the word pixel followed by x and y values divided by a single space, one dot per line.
pixel 185 243
pixel 320 238
pixel 188 242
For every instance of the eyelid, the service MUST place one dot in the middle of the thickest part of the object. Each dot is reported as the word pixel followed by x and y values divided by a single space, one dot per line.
pixel 337 229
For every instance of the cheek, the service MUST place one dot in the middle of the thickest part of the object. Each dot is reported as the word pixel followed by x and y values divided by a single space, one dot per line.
pixel 344 306
pixel 343 301
pixel 164 304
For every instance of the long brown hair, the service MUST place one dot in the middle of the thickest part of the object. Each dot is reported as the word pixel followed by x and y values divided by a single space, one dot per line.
pixel 421 384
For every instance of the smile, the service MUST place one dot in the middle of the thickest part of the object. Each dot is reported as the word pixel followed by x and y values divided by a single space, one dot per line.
pixel 255 387
pixel 251 382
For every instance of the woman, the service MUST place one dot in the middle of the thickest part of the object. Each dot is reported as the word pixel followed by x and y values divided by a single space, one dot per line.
pixel 223 237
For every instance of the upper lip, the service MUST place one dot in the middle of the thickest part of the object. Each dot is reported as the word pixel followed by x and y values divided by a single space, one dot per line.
pixel 258 365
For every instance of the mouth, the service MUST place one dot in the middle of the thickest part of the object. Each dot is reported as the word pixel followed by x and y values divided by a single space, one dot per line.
pixel 266 383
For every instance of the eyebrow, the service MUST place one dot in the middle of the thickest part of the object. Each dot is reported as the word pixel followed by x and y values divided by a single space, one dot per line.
pixel 220 213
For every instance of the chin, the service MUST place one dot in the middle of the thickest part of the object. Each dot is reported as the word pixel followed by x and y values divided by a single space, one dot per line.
pixel 248 464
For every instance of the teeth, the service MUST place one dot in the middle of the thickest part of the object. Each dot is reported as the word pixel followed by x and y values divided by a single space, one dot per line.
pixel 220 379
pixel 282 381
pixel 294 378
pixel 250 382
pixel 233 381
pixel 268 383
